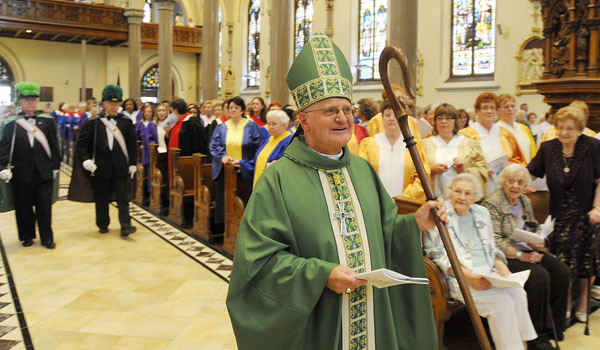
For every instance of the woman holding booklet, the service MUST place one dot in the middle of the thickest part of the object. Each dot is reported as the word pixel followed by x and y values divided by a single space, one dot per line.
pixel 547 287
pixel 472 234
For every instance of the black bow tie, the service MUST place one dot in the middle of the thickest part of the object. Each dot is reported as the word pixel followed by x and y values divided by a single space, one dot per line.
pixel 27 117
pixel 111 117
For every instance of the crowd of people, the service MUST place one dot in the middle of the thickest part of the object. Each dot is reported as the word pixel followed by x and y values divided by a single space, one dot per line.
pixel 482 163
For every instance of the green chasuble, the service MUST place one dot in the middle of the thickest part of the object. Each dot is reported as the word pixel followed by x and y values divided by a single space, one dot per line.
pixel 308 214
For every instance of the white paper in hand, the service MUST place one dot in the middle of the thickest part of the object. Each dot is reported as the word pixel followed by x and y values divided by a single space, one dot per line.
pixel 383 278
pixel 548 226
pixel 515 280
pixel 526 236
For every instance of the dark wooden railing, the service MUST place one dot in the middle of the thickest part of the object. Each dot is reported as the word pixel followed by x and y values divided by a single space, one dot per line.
pixel 68 21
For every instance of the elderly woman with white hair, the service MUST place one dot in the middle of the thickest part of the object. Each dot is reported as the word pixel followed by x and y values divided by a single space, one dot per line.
pixel 547 287
pixel 472 234
pixel 278 122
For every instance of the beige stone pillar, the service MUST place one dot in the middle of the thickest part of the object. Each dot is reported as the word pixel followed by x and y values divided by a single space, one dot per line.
pixel 83 61
pixel 282 14
pixel 210 50
pixel 403 34
pixel 165 48
pixel 134 24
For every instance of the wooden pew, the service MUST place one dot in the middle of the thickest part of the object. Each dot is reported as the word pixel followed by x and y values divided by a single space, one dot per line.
pixel 159 180
pixel 443 304
pixel 540 203
pixel 182 187
pixel 140 175
pixel 236 198
pixel 204 199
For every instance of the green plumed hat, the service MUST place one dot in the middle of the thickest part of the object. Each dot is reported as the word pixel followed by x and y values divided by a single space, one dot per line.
pixel 26 89
pixel 320 71
pixel 112 93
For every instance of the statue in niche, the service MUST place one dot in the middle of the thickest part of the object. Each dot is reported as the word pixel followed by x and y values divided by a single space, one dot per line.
pixel 532 65
pixel 229 83
pixel 582 42
pixel 560 44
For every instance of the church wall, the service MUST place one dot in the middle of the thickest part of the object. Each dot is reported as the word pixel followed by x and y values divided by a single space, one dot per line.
pixel 435 18
pixel 59 65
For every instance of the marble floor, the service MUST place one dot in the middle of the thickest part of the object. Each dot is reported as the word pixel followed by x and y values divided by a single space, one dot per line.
pixel 159 289
pixel 102 292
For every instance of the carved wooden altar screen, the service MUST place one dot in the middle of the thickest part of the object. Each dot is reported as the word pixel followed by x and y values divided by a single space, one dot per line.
pixel 571 55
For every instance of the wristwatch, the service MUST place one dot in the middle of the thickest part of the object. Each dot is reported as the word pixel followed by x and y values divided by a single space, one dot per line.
pixel 518 255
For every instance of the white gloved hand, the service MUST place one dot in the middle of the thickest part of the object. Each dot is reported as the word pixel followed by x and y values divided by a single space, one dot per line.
pixel 5 175
pixel 54 172
pixel 132 170
pixel 89 165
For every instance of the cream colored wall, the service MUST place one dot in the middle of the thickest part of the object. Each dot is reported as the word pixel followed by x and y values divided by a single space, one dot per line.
pixel 434 44
pixel 59 65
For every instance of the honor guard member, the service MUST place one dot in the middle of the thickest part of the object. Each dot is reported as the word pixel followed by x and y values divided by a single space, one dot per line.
pixel 107 149
pixel 30 159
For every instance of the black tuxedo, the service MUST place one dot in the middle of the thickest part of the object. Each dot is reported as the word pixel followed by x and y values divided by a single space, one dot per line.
pixel 32 180
pixel 192 137
pixel 112 175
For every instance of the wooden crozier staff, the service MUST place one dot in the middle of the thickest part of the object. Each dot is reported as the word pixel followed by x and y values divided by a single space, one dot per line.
pixel 388 54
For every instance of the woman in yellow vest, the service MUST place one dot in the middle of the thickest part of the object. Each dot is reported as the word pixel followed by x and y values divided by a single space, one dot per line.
pixel 278 122
pixel 387 153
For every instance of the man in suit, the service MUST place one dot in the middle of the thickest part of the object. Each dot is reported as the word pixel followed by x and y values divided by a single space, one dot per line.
pixel 30 159
pixel 107 149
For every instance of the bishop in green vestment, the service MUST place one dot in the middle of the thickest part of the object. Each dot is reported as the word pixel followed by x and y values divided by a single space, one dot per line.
pixel 317 216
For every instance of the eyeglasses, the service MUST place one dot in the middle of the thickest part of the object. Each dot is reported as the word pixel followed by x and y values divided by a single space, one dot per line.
pixel 508 107
pixel 334 111
pixel 444 117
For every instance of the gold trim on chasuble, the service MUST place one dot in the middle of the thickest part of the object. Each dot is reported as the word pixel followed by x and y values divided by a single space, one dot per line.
pixel 358 328
pixel 330 82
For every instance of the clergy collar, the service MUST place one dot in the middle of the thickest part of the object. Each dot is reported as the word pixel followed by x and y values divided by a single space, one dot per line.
pixel 299 152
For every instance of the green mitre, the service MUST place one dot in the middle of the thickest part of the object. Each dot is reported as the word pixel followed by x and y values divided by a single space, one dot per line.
pixel 320 71
pixel 26 89
pixel 112 93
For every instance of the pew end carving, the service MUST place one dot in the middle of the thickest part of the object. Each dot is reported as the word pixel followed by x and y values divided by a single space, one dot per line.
pixel 140 177
pixel 182 187
pixel 204 195
pixel 236 197
pixel 159 178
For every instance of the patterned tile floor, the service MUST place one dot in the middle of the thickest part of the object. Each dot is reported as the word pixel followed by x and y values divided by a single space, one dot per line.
pixel 101 292
pixel 196 250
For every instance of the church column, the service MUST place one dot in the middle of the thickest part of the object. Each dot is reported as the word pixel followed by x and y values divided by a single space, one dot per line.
pixel 282 14
pixel 82 95
pixel 403 34
pixel 329 27
pixel 134 24
pixel 165 48
pixel 210 50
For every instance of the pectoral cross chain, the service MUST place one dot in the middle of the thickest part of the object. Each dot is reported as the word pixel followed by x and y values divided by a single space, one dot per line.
pixel 342 215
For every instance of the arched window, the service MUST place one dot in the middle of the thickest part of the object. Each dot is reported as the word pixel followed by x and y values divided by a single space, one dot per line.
pixel 253 74
pixel 372 37
pixel 473 37
pixel 303 25
pixel 6 83
pixel 150 85
pixel 147 11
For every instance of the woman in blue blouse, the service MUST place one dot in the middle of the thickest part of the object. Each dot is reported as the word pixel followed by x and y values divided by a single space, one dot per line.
pixel 235 140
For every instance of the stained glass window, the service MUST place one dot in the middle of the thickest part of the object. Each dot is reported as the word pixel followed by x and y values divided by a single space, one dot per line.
pixel 147 11
pixel 303 26
pixel 253 74
pixel 473 37
pixel 220 22
pixel 150 85
pixel 372 37
pixel 6 81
